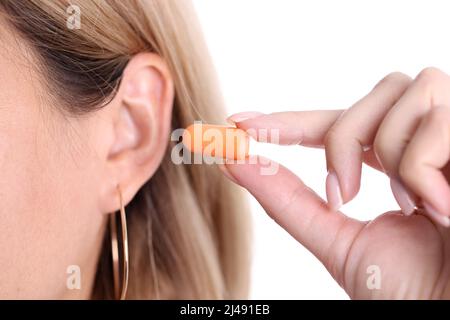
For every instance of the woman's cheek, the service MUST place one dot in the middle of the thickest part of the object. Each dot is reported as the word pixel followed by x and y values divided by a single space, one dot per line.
pixel 23 210
pixel 43 201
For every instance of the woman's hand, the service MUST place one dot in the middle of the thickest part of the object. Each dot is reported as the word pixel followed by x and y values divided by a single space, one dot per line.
pixel 402 128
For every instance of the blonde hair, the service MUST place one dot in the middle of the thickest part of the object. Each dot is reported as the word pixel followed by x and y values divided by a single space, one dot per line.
pixel 188 226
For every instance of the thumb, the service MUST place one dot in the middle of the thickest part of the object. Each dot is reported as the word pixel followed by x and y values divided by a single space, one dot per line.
pixel 296 208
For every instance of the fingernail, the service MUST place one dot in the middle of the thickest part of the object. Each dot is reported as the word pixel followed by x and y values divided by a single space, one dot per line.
pixel 239 117
pixel 436 216
pixel 402 197
pixel 334 195
pixel 227 173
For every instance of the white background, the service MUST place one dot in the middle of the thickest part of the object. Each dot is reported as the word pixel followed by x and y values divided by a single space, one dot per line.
pixel 275 55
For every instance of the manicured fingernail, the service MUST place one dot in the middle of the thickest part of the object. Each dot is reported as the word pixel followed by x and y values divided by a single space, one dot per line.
pixel 436 216
pixel 239 117
pixel 402 196
pixel 227 173
pixel 334 195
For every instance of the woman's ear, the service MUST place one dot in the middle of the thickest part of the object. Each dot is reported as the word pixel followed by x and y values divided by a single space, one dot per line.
pixel 140 116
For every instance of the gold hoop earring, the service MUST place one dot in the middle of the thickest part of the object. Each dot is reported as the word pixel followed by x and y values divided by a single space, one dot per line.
pixel 120 288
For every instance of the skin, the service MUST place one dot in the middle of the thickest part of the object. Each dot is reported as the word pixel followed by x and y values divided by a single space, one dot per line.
pixel 60 173
pixel 60 176
pixel 400 128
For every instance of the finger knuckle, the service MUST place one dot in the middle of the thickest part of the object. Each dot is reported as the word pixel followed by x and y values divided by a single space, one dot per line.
pixel 429 76
pixel 394 77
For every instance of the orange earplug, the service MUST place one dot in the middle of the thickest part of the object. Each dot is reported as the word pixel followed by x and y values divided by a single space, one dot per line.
pixel 217 141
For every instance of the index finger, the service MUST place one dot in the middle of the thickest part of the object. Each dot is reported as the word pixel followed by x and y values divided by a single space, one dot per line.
pixel 307 128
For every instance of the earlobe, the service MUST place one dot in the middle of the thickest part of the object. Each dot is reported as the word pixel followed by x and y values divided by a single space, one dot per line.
pixel 141 118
